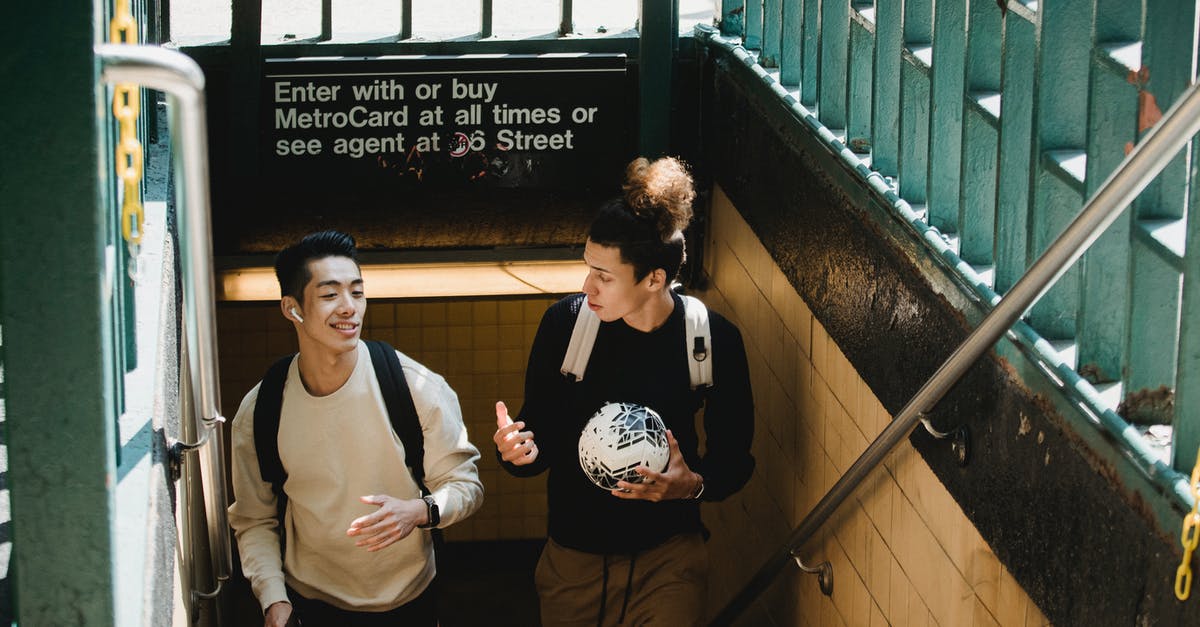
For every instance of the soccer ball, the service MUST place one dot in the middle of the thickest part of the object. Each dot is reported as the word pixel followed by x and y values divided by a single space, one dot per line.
pixel 620 437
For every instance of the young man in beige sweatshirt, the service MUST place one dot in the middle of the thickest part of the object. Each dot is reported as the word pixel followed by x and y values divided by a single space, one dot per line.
pixel 357 546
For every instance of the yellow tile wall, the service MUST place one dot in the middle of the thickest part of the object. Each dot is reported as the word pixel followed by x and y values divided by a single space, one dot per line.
pixel 903 552
pixel 478 345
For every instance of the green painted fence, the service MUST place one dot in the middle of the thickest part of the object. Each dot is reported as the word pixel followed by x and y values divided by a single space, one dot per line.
pixel 67 311
pixel 994 123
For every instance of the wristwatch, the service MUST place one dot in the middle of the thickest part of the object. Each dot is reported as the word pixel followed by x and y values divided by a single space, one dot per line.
pixel 431 507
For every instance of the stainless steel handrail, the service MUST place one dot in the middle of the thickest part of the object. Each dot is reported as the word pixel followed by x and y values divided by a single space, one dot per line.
pixel 1146 160
pixel 179 76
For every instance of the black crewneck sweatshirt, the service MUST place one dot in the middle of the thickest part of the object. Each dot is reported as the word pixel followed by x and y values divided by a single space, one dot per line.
pixel 627 365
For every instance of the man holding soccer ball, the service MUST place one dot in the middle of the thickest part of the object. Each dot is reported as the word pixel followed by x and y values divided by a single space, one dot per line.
pixel 633 554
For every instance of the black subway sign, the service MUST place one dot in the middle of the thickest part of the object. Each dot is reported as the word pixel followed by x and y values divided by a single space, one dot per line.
pixel 500 120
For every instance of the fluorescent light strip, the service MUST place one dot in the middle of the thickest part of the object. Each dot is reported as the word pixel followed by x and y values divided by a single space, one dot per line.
pixel 426 280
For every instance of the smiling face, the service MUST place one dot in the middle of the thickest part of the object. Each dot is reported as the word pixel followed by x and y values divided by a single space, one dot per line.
pixel 333 306
pixel 611 289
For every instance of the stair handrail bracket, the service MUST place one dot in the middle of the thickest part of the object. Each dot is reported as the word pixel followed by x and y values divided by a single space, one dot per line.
pixel 180 77
pixel 1148 158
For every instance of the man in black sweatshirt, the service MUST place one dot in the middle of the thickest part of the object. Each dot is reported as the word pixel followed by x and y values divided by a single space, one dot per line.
pixel 635 554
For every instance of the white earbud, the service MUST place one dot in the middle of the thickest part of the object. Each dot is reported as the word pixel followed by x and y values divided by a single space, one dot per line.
pixel 296 315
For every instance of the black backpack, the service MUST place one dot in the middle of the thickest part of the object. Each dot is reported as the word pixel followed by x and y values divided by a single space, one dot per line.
pixel 396 397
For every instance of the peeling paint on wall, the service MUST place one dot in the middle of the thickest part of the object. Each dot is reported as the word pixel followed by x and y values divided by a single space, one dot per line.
pixel 1148 111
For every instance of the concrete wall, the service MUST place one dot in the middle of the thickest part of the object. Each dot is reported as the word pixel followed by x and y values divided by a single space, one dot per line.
pixel 902 550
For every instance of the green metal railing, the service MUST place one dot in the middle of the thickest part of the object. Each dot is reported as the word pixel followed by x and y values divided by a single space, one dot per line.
pixel 1102 209
pixel 993 124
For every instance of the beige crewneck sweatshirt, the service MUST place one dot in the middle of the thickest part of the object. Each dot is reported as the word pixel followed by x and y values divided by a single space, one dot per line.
pixel 336 448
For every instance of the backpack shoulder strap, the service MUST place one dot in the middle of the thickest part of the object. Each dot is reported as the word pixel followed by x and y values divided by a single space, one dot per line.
pixel 267 408
pixel 583 336
pixel 699 342
pixel 401 411
pixel 266 425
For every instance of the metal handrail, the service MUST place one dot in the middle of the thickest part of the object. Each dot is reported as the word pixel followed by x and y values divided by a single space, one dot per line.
pixel 179 76
pixel 1147 159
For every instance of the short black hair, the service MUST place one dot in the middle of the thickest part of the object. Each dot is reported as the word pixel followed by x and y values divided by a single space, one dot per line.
pixel 291 264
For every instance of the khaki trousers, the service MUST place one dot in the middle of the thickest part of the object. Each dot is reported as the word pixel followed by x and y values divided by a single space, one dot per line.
pixel 661 586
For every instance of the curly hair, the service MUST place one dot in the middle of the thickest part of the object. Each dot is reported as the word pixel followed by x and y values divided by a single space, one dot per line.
pixel 646 223
pixel 660 190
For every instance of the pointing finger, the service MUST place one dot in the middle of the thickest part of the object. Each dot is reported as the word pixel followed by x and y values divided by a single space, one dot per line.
pixel 502 418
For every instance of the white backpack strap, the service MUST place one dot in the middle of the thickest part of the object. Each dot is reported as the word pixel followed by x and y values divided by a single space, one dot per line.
pixel 587 323
pixel 699 342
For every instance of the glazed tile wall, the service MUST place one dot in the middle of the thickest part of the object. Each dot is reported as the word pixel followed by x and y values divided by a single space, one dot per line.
pixel 903 552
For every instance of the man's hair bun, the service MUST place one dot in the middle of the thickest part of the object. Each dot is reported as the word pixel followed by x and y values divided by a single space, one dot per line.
pixel 662 191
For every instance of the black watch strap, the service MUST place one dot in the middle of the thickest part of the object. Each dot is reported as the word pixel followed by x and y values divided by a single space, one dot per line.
pixel 431 508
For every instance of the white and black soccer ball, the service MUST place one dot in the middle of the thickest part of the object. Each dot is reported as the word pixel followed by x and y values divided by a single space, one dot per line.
pixel 620 437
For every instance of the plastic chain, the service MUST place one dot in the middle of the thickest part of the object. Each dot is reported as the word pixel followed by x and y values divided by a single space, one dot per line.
pixel 126 107
pixel 1190 537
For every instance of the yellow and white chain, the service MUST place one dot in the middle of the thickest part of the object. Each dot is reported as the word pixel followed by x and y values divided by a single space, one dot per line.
pixel 126 107
pixel 1190 536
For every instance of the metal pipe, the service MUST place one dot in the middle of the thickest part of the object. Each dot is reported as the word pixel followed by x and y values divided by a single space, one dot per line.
pixel 188 506
pixel 180 77
pixel 485 14
pixel 1147 159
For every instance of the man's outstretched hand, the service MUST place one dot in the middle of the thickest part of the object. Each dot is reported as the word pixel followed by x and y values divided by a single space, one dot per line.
pixel 392 522
pixel 516 447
